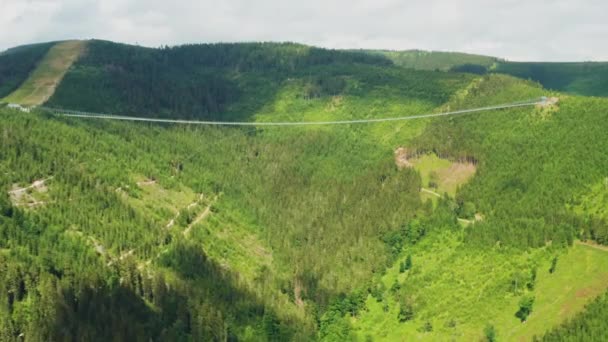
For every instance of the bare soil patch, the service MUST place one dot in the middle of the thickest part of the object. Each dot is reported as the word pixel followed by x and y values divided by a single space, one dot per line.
pixel 402 158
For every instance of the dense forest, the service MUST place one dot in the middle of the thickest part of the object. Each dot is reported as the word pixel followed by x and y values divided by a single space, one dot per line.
pixel 513 149
pixel 178 233
pixel 582 78
pixel 16 64
pixel 199 81
pixel 578 78
pixel 306 216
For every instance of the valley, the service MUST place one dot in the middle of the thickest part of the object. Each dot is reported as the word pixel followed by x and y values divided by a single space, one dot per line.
pixel 442 228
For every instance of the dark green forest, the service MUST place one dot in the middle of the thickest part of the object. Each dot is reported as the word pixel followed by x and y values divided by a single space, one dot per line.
pixel 205 81
pixel 583 78
pixel 16 65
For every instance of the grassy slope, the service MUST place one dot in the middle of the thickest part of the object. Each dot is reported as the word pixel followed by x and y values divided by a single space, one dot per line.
pixel 41 84
pixel 458 281
pixel 455 283
pixel 447 175
pixel 16 64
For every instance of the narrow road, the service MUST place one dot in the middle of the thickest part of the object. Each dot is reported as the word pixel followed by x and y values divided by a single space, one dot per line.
pixel 430 192
pixel 172 222
pixel 198 219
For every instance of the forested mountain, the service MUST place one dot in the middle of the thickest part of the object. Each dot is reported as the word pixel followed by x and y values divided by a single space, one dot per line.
pixel 17 63
pixel 435 60
pixel 217 81
pixel 578 78
pixel 583 78
pixel 483 226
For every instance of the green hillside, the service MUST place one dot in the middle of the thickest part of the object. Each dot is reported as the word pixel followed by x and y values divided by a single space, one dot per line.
pixel 578 78
pixel 584 78
pixel 16 64
pixel 435 60
pixel 464 272
pixel 463 227
pixel 218 81
pixel 42 81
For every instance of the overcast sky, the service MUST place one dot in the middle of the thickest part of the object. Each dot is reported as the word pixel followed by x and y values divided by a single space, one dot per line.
pixel 557 30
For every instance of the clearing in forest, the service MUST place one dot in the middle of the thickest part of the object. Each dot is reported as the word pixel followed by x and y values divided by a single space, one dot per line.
pixel 455 294
pixel 438 175
pixel 31 196
pixel 162 205
pixel 41 84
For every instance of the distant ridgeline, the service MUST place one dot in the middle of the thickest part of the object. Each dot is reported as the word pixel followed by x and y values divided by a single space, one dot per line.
pixel 233 81
pixel 584 78
pixel 436 60
pixel 580 78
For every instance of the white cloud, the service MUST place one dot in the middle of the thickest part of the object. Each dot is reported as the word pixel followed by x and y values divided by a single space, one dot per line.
pixel 514 29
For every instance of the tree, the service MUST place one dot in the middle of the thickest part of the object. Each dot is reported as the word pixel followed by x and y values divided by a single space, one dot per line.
pixel 532 281
pixel 405 265
pixel 378 291
pixel 433 179
pixel 427 327
pixel 6 208
pixel 525 308
pixel 553 265
pixel 396 286
pixel 406 312
pixel 468 210
pixel 490 333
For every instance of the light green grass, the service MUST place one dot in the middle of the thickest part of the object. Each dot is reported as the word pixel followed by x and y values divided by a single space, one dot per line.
pixel 158 203
pixel 290 105
pixel 41 84
pixel 448 175
pixel 582 275
pixel 471 289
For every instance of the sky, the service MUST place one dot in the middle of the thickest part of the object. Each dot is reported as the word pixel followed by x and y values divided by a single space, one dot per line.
pixel 524 30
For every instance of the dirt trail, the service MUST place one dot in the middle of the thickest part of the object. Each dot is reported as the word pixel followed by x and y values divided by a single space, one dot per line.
pixel 593 245
pixel 190 206
pixel 430 192
pixel 199 218
pixel 146 182
pixel 36 184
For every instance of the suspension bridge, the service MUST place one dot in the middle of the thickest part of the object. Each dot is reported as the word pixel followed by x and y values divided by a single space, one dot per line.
pixel 88 115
